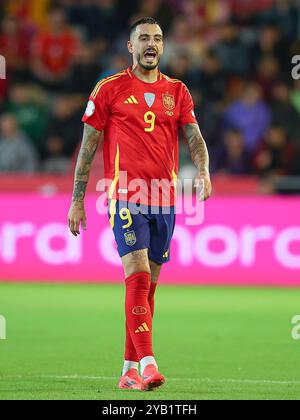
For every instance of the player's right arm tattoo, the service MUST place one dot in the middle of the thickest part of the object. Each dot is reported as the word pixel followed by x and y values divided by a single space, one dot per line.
pixel 90 141
pixel 198 148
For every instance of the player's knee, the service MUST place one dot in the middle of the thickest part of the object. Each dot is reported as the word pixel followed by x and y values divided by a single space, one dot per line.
pixel 136 267
pixel 140 268
pixel 136 262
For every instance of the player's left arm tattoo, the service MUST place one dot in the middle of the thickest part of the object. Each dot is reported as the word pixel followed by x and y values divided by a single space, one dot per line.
pixel 198 148
pixel 200 157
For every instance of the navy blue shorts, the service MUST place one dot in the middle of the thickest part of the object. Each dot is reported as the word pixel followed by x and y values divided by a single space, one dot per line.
pixel 142 229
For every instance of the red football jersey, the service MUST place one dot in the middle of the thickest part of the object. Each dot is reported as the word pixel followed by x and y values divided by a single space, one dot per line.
pixel 140 122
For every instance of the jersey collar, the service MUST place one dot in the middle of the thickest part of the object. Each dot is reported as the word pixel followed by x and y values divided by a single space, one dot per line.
pixel 133 76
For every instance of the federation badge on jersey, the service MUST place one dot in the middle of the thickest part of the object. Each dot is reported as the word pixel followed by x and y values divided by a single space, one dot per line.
pixel 169 101
pixel 149 98
pixel 90 109
pixel 130 238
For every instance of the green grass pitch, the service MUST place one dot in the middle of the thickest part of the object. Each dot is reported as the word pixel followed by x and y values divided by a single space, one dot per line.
pixel 66 342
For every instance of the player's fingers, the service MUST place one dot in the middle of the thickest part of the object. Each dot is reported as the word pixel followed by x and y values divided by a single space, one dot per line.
pixel 197 182
pixel 83 224
pixel 72 226
pixel 204 190
pixel 76 227
pixel 208 191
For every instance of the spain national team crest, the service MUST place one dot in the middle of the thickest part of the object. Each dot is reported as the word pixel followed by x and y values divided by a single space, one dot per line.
pixel 130 238
pixel 168 101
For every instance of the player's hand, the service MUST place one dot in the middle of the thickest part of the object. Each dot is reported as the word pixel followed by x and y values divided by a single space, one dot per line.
pixel 77 217
pixel 203 182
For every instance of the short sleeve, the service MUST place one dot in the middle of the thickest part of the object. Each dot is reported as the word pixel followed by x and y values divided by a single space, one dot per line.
pixel 97 110
pixel 187 113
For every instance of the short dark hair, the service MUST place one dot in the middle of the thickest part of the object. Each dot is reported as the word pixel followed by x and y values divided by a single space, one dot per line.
pixel 143 21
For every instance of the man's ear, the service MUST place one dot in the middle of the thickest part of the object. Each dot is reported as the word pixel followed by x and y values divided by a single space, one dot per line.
pixel 130 47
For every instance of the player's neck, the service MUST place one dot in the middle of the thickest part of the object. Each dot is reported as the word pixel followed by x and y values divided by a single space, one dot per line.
pixel 148 76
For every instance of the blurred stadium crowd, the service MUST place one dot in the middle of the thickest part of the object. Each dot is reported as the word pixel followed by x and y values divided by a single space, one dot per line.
pixel 234 55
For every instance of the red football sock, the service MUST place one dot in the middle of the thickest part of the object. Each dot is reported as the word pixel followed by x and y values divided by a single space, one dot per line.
pixel 130 352
pixel 138 313
pixel 151 297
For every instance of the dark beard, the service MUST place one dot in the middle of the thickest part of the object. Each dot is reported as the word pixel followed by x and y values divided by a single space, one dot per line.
pixel 147 67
